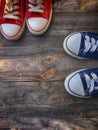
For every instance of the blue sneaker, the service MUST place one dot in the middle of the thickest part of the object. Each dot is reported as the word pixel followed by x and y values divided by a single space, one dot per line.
pixel 82 45
pixel 82 83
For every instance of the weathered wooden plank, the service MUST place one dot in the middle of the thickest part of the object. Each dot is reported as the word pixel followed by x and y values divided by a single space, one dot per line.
pixel 15 97
pixel 75 5
pixel 51 124
pixel 42 94
pixel 42 65
pixel 28 104
pixel 62 24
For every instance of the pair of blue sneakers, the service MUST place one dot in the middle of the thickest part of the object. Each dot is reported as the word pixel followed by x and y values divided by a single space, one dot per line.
pixel 82 45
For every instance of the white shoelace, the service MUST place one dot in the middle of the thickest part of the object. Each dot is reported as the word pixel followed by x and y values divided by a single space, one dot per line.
pixel 36 6
pixel 91 82
pixel 13 14
pixel 91 44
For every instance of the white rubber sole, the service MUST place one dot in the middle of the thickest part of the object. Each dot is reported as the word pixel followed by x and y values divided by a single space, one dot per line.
pixel 17 36
pixel 66 84
pixel 42 31
pixel 67 50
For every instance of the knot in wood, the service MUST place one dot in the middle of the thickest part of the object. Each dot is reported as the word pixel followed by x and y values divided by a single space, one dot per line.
pixel 48 59
pixel 48 74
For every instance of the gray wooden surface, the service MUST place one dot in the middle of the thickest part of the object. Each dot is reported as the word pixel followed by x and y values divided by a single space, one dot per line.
pixel 33 69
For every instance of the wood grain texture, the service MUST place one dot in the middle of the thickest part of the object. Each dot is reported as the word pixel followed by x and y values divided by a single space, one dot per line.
pixel 27 104
pixel 46 64
pixel 33 69
pixel 75 5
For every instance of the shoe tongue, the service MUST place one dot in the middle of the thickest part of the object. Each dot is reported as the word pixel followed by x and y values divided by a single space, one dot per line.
pixel 81 45
pixel 8 6
pixel 85 87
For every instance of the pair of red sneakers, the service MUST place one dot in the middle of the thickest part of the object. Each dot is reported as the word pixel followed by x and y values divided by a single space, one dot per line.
pixel 12 17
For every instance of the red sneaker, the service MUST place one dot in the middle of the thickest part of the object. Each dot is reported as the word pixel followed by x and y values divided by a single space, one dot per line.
pixel 12 19
pixel 38 15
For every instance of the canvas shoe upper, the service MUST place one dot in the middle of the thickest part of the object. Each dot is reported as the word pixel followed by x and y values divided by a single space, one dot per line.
pixel 82 45
pixel 82 83
pixel 12 19
pixel 38 15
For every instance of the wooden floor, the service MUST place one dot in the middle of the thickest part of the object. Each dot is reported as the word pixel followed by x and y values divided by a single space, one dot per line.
pixel 33 69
